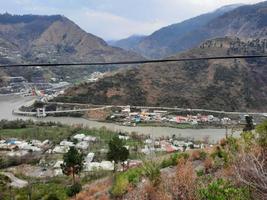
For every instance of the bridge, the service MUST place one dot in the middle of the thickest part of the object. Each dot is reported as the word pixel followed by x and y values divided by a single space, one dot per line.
pixel 45 113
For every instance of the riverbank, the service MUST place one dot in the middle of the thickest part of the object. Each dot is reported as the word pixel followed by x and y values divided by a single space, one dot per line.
pixel 9 103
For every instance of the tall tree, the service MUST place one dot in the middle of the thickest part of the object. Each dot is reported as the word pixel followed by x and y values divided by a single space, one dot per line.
pixel 72 163
pixel 117 151
pixel 249 124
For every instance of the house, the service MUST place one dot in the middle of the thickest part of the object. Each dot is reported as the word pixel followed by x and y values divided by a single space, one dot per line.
pixel 181 119
pixel 126 110
pixel 148 141
pixel 66 143
pixel 79 137
pixel 123 137
pixel 37 143
pixel 89 139
pixel 26 146
pixel 82 145
pixel 89 158
pixel 58 164
pixel 104 165
pixel 178 143
pixel 61 149
pixel 57 168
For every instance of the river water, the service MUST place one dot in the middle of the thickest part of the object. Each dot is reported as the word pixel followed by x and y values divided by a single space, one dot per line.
pixel 9 103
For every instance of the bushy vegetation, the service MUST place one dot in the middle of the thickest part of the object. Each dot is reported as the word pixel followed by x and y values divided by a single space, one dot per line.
pixel 234 169
pixel 173 159
pixel 224 190
pixel 39 190
pixel 123 181
pixel 74 189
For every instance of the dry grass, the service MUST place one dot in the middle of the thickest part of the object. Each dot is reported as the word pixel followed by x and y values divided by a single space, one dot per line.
pixel 96 191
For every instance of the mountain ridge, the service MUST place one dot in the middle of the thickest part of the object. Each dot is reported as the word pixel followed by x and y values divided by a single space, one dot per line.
pixel 229 85
pixel 52 39
pixel 230 21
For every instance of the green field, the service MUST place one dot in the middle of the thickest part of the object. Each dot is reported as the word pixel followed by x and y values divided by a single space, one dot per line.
pixel 55 134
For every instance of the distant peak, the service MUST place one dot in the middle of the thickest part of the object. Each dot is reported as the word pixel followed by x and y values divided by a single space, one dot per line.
pixel 229 7
pixel 7 18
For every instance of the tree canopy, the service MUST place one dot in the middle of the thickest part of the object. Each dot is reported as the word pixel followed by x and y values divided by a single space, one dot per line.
pixel 72 162
pixel 117 151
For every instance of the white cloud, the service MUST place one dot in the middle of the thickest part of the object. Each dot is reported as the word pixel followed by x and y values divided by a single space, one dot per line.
pixel 111 26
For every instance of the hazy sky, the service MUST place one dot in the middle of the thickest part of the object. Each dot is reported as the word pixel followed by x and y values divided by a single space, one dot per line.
pixel 116 19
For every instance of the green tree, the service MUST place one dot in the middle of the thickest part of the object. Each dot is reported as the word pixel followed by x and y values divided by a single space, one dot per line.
pixel 117 151
pixel 249 124
pixel 72 163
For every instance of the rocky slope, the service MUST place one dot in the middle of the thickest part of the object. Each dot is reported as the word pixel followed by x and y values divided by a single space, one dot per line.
pixel 238 84
pixel 54 39
pixel 248 21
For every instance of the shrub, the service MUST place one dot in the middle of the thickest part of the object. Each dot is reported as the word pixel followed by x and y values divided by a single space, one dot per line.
pixel 223 190
pixel 203 155
pixel 134 175
pixel 173 160
pixel 183 185
pixel 220 156
pixel 200 172
pixel 120 185
pixel 152 171
pixel 199 155
pixel 251 170
pixel 248 139
pixel 208 164
pixel 52 197
pixel 261 131
pixel 74 189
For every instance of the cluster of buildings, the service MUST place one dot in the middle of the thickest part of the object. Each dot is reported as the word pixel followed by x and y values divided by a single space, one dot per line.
pixel 169 146
pixel 15 85
pixel 14 147
pixel 51 156
pixel 38 87
pixel 80 141
pixel 130 118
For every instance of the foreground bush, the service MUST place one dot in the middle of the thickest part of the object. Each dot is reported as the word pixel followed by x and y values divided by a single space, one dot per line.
pixel 223 190
pixel 183 185
pixel 173 160
pixel 52 197
pixel 74 189
pixel 125 180
pixel 120 186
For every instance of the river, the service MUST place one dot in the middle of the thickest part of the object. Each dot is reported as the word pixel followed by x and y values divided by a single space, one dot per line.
pixel 9 103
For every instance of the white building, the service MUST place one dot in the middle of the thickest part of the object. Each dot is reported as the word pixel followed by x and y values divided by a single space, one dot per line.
pixel 61 149
pixel 89 158
pixel 82 145
pixel 79 137
pixel 89 139
pixel 66 143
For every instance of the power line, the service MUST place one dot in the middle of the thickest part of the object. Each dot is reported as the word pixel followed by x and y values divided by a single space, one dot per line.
pixel 132 62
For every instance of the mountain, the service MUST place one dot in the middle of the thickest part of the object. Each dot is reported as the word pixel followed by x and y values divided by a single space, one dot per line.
pixel 239 84
pixel 128 43
pixel 175 38
pixel 54 39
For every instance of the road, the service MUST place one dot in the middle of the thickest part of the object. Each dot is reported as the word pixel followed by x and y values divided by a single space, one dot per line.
pixel 164 108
